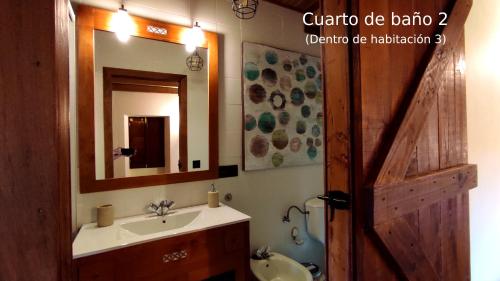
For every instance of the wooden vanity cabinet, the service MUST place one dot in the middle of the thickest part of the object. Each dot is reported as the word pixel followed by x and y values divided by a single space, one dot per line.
pixel 197 256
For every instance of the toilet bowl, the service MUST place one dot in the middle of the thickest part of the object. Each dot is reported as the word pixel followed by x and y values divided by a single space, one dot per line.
pixel 279 268
pixel 315 219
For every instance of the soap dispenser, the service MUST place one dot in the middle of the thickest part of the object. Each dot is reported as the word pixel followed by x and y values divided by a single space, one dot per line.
pixel 213 197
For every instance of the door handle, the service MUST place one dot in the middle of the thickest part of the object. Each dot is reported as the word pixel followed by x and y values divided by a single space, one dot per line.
pixel 336 199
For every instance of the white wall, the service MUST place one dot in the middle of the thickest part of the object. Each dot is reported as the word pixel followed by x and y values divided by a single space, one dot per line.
pixel 482 42
pixel 264 195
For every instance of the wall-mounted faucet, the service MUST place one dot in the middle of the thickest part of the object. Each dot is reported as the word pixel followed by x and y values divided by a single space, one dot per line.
pixel 286 218
pixel 162 208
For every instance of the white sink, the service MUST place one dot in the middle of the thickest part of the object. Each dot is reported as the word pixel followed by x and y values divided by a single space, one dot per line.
pixel 159 224
pixel 279 268
pixel 125 232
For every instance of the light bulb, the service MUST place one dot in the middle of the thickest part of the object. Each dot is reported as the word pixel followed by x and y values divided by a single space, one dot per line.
pixel 122 25
pixel 194 38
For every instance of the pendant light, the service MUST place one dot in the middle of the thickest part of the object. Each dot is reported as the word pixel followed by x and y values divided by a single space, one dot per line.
pixel 195 62
pixel 245 9
pixel 122 24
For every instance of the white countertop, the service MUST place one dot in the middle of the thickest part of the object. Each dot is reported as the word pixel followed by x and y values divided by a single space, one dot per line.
pixel 92 240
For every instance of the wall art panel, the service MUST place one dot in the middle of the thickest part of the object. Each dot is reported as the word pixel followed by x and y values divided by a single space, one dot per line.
pixel 282 108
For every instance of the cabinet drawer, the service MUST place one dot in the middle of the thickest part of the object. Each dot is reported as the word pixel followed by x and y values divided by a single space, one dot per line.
pixel 167 255
pixel 194 256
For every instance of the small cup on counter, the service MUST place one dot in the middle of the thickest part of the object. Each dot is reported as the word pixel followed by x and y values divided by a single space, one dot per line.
pixel 105 215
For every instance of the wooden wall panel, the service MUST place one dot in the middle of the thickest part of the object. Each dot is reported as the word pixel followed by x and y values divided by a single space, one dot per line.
pixel 35 215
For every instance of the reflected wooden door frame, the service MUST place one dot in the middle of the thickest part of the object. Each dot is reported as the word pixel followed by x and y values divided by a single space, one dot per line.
pixel 118 79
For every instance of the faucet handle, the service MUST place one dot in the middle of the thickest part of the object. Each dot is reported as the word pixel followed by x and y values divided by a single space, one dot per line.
pixel 167 203
pixel 171 204
pixel 153 207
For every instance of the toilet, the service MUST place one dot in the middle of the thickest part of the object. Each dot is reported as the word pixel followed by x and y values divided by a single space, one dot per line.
pixel 315 219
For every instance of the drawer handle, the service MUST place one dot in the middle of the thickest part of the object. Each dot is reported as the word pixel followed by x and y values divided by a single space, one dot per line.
pixel 175 256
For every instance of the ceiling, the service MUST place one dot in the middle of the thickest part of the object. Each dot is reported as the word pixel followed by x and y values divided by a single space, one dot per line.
pixel 298 5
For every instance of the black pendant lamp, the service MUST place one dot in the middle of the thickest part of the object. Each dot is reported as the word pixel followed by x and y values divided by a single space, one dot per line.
pixel 195 62
pixel 245 9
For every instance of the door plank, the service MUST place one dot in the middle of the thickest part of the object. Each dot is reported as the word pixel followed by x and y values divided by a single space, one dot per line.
pixel 396 163
pixel 430 230
pixel 396 200
pixel 403 244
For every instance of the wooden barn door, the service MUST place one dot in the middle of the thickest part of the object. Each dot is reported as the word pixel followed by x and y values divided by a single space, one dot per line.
pixel 411 175
pixel 396 142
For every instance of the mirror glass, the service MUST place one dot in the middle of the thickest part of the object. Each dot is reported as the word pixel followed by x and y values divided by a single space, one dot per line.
pixel 150 109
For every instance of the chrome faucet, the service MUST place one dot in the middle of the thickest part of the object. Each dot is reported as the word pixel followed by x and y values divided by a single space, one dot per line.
pixel 162 208
pixel 263 253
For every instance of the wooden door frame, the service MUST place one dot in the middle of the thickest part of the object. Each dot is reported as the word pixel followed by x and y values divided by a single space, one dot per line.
pixel 35 137
pixel 337 87
pixel 128 80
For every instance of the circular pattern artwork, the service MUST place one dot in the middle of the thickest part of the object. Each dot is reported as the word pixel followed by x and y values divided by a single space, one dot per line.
pixel 271 57
pixel 306 111
pixel 250 122
pixel 277 159
pixel 285 83
pixel 301 127
pixel 251 71
pixel 310 89
pixel 297 96
pixel 257 93
pixel 312 152
pixel 316 131
pixel 318 142
pixel 278 100
pixel 319 82
pixel 295 144
pixel 303 59
pixel 259 146
pixel 269 77
pixel 300 75
pixel 287 65
pixel 267 122
pixel 283 118
pixel 319 118
pixel 280 139
pixel 310 71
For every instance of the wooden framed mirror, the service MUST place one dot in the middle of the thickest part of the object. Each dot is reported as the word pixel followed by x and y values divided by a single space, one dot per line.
pixel 144 118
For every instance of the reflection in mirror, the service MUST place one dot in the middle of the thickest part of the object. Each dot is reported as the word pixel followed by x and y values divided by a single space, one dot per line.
pixel 151 111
